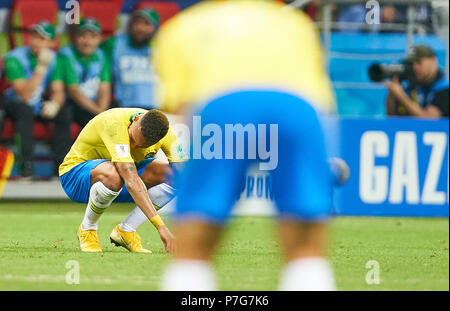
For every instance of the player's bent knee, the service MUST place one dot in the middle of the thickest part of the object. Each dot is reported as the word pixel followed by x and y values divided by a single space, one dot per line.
pixel 108 175
pixel 155 173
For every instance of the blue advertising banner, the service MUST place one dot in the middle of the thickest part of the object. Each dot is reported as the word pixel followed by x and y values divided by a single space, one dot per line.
pixel 399 167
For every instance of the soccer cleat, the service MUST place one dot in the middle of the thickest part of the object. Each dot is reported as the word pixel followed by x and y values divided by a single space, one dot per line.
pixel 130 240
pixel 88 241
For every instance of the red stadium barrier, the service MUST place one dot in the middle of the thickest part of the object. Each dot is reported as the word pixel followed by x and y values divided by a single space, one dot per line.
pixel 165 9
pixel 105 12
pixel 41 131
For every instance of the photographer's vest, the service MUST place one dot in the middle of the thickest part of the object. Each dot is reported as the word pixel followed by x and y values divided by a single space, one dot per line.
pixel 22 54
pixel 88 76
pixel 423 96
pixel 134 77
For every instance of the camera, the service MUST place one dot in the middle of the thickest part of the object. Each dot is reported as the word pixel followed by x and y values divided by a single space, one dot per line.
pixel 379 72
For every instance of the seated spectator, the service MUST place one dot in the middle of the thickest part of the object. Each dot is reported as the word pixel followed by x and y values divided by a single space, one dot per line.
pixel 133 75
pixel 355 14
pixel 87 74
pixel 87 77
pixel 391 15
pixel 36 91
pixel 425 97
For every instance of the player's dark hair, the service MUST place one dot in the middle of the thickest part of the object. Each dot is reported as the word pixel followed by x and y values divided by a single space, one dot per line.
pixel 154 126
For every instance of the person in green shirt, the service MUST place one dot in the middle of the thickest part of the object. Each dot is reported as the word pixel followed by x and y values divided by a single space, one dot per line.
pixel 87 74
pixel 87 79
pixel 36 90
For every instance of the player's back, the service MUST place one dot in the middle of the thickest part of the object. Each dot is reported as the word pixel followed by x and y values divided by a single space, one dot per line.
pixel 216 48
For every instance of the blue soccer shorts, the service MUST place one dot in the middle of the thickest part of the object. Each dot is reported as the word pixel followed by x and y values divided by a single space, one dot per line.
pixel 208 188
pixel 77 182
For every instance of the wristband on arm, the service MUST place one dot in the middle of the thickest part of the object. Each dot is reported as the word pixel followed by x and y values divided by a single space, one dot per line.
pixel 157 221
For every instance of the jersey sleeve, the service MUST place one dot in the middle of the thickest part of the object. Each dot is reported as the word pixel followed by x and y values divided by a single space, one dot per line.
pixel 13 69
pixel 115 138
pixel 70 76
pixel 172 147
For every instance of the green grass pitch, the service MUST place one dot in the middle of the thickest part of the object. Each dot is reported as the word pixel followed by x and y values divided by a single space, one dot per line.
pixel 39 238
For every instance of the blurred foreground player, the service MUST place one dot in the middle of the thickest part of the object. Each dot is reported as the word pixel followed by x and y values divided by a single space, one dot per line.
pixel 249 63
pixel 113 160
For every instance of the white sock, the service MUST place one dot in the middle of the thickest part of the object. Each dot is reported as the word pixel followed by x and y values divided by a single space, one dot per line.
pixel 188 275
pixel 160 196
pixel 308 274
pixel 100 198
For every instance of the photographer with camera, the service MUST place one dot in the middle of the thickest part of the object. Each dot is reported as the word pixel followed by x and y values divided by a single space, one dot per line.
pixel 424 90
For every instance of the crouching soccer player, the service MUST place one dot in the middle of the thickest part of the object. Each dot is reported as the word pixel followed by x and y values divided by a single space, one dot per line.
pixel 112 160
pixel 249 63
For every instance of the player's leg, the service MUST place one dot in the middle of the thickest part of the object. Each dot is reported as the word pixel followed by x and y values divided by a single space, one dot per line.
pixel 105 186
pixel 205 197
pixel 155 177
pixel 154 174
pixel 97 183
pixel 207 190
pixel 306 265
pixel 302 187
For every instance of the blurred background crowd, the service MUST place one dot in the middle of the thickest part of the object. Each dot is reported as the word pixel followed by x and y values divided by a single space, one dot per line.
pixel 56 76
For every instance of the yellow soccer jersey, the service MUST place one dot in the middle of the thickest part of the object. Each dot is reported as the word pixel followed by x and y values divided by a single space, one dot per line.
pixel 106 137
pixel 215 48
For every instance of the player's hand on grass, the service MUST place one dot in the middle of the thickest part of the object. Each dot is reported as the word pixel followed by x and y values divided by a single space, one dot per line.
pixel 168 239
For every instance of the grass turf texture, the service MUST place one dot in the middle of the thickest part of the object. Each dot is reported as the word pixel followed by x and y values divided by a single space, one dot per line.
pixel 39 238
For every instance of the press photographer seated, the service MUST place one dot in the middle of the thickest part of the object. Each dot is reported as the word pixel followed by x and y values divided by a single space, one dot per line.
pixel 427 95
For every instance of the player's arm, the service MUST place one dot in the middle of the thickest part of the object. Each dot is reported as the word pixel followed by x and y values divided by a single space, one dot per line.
pixel 415 110
pixel 104 96
pixel 82 100
pixel 57 94
pixel 138 192
pixel 16 75
pixel 390 105
pixel 175 154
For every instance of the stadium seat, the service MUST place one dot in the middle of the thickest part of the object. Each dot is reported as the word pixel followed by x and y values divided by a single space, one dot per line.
pixel 118 4
pixel 41 131
pixel 26 13
pixel 165 9
pixel 106 12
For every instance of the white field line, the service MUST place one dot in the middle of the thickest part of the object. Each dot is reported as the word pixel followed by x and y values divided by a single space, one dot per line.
pixel 47 278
